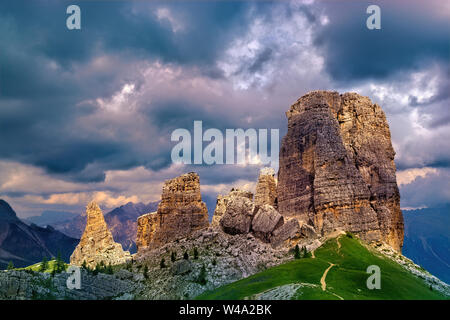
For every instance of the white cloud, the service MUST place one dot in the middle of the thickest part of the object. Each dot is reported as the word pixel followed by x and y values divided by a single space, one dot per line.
pixel 164 13
pixel 408 176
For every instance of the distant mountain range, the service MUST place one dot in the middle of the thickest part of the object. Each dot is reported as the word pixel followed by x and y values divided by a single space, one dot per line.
pixel 427 239
pixel 122 222
pixel 27 244
pixel 50 217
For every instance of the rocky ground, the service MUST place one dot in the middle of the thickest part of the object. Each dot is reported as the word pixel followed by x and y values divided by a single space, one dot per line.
pixel 224 258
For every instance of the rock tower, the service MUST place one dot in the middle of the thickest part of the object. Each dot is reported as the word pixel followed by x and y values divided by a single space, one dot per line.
pixel 97 243
pixel 337 168
pixel 180 212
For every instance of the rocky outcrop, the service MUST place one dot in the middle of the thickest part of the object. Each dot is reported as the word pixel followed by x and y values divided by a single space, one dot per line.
pixel 147 225
pixel 222 201
pixel 266 220
pixel 266 188
pixel 336 168
pixel 236 213
pixel 180 212
pixel 97 243
pixel 28 285
pixel 226 258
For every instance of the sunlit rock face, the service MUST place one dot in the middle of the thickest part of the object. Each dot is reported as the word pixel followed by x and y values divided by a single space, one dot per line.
pixel 222 202
pixel 180 212
pixel 97 244
pixel 337 168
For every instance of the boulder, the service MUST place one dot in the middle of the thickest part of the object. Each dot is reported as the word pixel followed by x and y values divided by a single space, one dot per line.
pixel 222 201
pixel 238 215
pixel 266 220
pixel 181 267
pixel 289 230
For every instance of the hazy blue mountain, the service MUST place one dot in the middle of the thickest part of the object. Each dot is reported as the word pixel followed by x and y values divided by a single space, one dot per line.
pixel 427 239
pixel 27 244
pixel 50 217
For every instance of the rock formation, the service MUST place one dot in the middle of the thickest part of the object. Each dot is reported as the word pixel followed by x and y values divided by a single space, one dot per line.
pixel 97 243
pixel 266 189
pixel 237 213
pixel 266 220
pixel 121 221
pixel 337 168
pixel 222 201
pixel 180 212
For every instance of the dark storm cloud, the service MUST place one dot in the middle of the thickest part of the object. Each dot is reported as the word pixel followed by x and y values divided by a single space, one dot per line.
pixel 51 80
pixel 45 75
pixel 124 26
pixel 411 35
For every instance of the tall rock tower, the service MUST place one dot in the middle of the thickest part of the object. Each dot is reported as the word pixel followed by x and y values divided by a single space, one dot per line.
pixel 97 243
pixel 180 212
pixel 266 188
pixel 337 168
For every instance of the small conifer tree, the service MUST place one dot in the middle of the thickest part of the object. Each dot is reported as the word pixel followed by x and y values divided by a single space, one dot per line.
pixel 297 252
pixel 195 254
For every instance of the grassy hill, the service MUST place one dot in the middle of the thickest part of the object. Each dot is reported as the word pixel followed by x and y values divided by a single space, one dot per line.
pixel 307 279
pixel 37 266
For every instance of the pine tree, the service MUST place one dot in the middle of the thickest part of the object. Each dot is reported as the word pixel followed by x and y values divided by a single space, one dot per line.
pixel 97 269
pixel 195 254
pixel 201 279
pixel 186 256
pixel 173 256
pixel 162 264
pixel 60 265
pixel 44 264
pixel 10 265
pixel 297 252
pixel 146 272
pixel 306 254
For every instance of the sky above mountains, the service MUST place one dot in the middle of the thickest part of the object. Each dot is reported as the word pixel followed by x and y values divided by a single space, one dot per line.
pixel 87 114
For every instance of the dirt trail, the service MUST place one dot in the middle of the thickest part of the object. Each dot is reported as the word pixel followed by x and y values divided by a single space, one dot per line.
pixel 322 280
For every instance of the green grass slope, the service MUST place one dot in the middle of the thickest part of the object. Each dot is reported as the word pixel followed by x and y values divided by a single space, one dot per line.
pixel 346 279
pixel 37 266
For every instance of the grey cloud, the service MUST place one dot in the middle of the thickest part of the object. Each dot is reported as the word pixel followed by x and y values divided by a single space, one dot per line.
pixel 430 191
pixel 411 36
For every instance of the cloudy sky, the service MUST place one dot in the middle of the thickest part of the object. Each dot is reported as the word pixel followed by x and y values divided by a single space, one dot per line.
pixel 87 114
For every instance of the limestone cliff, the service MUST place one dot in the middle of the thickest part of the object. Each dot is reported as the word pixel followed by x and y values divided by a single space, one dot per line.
pixel 97 243
pixel 180 212
pixel 337 168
